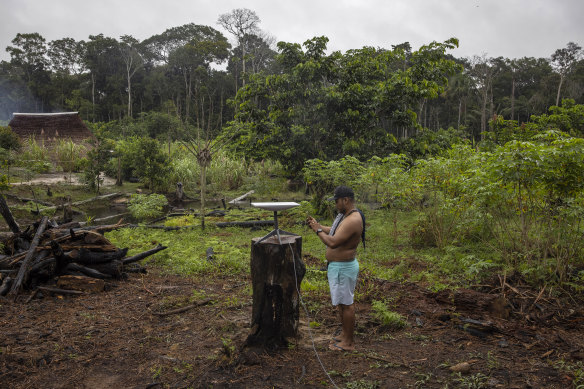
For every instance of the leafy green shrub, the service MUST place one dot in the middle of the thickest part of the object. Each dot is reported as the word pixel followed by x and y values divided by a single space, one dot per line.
pixel 8 139
pixel 390 319
pixel 146 206
pixel 323 177
pixel 151 164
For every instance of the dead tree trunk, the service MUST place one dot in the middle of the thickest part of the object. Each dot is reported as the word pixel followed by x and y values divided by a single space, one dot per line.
pixel 276 272
pixel 5 211
pixel 23 272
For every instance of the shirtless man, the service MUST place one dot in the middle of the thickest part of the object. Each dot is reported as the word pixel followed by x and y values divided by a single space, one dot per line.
pixel 342 240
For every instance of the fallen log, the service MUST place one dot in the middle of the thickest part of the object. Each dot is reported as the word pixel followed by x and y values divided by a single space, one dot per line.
pixel 87 257
pixel 138 257
pixel 237 199
pixel 81 283
pixel 59 234
pixel 251 223
pixel 27 200
pixel 59 291
pixel 77 268
pixel 92 247
pixel 37 267
pixel 114 268
pixel 24 270
pixel 159 227
pixel 92 237
pixel 57 207
pixel 69 225
pixel 5 212
pixel 103 219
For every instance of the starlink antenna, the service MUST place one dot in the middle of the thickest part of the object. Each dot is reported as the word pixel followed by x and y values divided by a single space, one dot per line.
pixel 277 206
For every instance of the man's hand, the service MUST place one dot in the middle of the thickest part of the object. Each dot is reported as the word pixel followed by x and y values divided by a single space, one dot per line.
pixel 312 223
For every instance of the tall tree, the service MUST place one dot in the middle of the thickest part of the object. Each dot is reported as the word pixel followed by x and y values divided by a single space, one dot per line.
pixel 326 106
pixel 66 60
pixel 242 23
pixel 29 55
pixel 133 61
pixel 482 72
pixel 101 58
pixel 192 61
pixel 562 61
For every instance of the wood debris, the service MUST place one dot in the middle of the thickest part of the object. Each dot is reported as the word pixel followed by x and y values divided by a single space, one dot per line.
pixel 52 258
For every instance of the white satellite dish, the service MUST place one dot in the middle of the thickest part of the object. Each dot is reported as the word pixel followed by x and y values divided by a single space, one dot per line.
pixel 275 206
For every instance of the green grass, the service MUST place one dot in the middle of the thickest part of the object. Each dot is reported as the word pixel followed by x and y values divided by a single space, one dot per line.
pixel 387 255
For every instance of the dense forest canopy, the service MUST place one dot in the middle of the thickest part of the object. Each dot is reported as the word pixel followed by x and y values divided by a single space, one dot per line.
pixel 288 101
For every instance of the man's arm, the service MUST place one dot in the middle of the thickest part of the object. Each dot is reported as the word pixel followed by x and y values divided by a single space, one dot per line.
pixel 312 222
pixel 348 228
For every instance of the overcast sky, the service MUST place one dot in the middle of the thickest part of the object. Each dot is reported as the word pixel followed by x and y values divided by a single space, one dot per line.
pixel 508 28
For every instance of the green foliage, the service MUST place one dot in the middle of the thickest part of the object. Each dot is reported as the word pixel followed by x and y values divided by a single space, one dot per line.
pixel 97 158
pixel 8 139
pixel 389 319
pixel 4 183
pixel 151 164
pixel 69 156
pixel 35 157
pixel 323 177
pixel 186 253
pixel 568 118
pixel 426 143
pixel 146 206
pixel 185 169
pixel 522 203
pixel 325 106
pixel 226 172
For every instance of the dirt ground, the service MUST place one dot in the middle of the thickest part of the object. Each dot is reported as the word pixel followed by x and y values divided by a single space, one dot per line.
pixel 114 339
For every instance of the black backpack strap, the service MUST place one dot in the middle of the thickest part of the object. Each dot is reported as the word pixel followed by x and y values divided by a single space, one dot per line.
pixel 362 233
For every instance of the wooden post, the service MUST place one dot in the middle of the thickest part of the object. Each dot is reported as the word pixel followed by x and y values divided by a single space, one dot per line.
pixel 276 272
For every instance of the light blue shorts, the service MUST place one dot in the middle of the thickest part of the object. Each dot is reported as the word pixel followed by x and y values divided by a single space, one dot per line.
pixel 342 277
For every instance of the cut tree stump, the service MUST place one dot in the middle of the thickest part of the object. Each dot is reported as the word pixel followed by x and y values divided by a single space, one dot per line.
pixel 80 283
pixel 276 272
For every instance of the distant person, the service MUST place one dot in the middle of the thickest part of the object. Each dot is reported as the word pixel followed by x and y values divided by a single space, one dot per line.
pixel 342 239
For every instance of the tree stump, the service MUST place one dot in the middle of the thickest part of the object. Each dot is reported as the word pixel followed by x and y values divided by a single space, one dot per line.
pixel 276 272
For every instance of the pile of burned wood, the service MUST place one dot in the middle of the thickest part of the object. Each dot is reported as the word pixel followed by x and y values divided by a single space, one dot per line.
pixel 64 258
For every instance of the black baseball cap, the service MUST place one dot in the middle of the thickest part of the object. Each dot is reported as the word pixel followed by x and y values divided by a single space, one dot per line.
pixel 342 191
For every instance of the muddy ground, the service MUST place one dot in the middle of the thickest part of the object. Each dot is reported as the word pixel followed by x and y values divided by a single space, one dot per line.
pixel 114 339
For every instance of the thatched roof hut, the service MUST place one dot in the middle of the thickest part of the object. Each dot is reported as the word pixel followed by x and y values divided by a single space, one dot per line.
pixel 49 127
